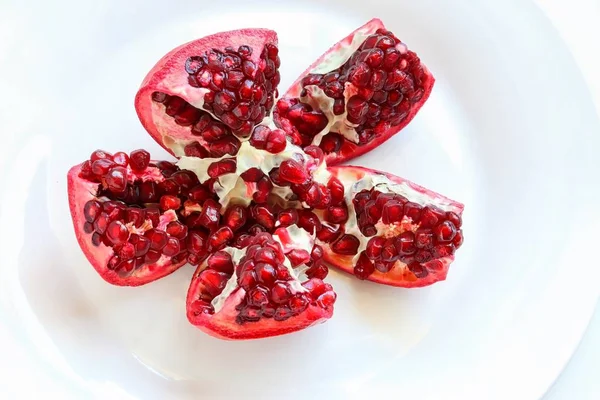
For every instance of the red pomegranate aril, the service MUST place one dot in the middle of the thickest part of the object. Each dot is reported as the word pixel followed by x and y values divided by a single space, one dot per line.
pixel 153 214
pixel 220 238
pixel 430 216
pixel 127 251
pixel 223 167
pixel 336 188
pixel 424 238
pixel 121 158
pixel 375 247
pixel 142 246
pixel 328 233
pixel 136 216
pixel 263 190
pixel 392 212
pixel 196 242
pixel 265 274
pixel 263 216
pixel 100 155
pixel 276 141
pixel 252 175
pixel 373 211
pixel 419 270
pixel 287 217
pixel 293 171
pixel 337 214
pixel 454 218
pixel 346 245
pixel 158 239
pixel 423 256
pixel 168 202
pixel 185 179
pixel 445 231
pixel 389 252
pixel 102 166
pixel 91 210
pixel 364 267
pixel 148 192
pixel 458 239
pixel 280 293
pixel 443 250
pixel 235 217
pixel 405 243
pixel 228 145
pixel 221 261
pixel 139 160
pixel 308 221
pixel 152 256
pixel 214 281
pixel 172 247
pixel 413 211
pixel 258 296
pixel 117 232
pixel 298 257
pixel 177 229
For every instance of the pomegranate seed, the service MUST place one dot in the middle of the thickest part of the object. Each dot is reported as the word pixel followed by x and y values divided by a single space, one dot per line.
pixel 221 261
pixel 265 255
pixel 454 218
pixel 127 251
pixel 424 238
pixel 116 179
pixel 213 281
pixel 96 239
pixel 389 253
pixel 337 214
pixel 100 155
pixel 142 246
pixel 405 243
pixel 263 216
pixel 413 211
pixel 102 166
pixel 152 256
pixel 347 245
pixel 336 188
pixel 364 267
pixel 235 217
pixel 298 303
pixel 199 193
pixel 430 216
pixel 265 274
pixel 292 171
pixel 309 221
pixel 91 210
pixel 276 142
pixel 121 158
pixel 443 250
pixel 263 190
pixel 419 270
pixel 158 239
pixel 170 187
pixel 258 296
pixel 280 293
pixel 168 202
pixel 139 160
pixel 373 211
pixel 458 239
pixel 228 145
pixel 252 175
pixel 319 271
pixel 287 217
pixel 153 214
pixel 445 231
pixel 220 238
pixel 101 223
pixel 196 242
pixel 172 247
pixel 392 212
pixel 374 248
pixel 136 216
pixel 328 233
pixel 423 256
pixel 331 143
pixel 360 75
pixel 185 179
pixel 177 229
pixel 223 167
pixel 298 257
pixel 282 313
pixel 117 232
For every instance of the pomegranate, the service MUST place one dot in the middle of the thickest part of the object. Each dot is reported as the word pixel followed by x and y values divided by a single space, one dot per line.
pixel 254 292
pixel 201 98
pixel 388 230
pixel 129 216
pixel 357 95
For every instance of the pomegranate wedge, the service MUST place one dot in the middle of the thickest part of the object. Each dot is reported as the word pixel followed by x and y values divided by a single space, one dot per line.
pixel 388 230
pixel 255 292
pixel 357 95
pixel 128 214
pixel 201 97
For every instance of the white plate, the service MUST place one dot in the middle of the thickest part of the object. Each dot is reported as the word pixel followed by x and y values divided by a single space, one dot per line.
pixel 509 130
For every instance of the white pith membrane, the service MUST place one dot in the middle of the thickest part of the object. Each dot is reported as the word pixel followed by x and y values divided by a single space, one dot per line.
pixel 300 239
pixel 381 183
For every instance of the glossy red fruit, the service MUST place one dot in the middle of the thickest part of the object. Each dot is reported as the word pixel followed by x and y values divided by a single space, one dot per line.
pixel 379 90
pixel 206 92
pixel 409 233
pixel 122 230
pixel 264 298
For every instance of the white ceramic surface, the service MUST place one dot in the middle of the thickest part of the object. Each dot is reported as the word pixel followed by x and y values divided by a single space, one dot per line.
pixel 509 130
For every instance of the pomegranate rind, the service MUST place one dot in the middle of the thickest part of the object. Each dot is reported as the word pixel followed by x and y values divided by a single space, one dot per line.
pixel 223 325
pixel 399 277
pixel 80 191
pixel 351 150
pixel 169 76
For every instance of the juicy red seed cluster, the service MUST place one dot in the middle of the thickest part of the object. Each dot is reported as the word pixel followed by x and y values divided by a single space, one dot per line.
pixel 437 234
pixel 271 140
pixel 266 281
pixel 138 204
pixel 215 139
pixel 242 92
pixel 388 79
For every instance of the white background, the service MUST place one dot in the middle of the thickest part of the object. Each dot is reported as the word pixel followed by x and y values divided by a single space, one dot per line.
pixel 578 23
pixel 577 20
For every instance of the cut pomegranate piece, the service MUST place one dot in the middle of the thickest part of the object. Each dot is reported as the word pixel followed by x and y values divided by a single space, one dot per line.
pixel 395 232
pixel 254 292
pixel 129 216
pixel 357 95
pixel 200 97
